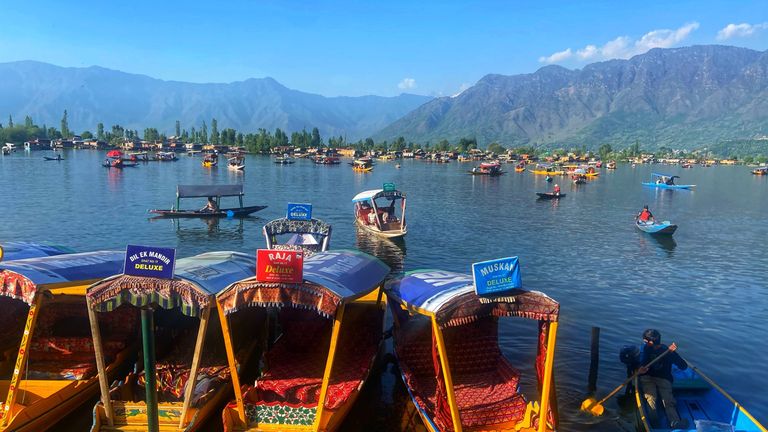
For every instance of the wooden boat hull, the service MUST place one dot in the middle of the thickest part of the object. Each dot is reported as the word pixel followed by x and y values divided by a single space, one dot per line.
pixel 386 234
pixel 519 169
pixel 235 212
pixel 367 169
pixel 698 400
pixel 48 158
pixel 666 186
pixel 539 172
pixel 549 195
pixel 662 228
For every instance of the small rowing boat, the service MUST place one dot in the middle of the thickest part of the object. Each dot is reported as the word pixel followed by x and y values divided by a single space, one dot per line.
pixel 701 403
pixel 657 228
pixel 216 192
pixel 57 158
pixel 550 195
pixel 236 163
pixel 487 168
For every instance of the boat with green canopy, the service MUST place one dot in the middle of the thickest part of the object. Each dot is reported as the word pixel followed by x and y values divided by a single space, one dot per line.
pixel 447 347
pixel 47 363
pixel 330 334
pixel 182 377
pixel 213 192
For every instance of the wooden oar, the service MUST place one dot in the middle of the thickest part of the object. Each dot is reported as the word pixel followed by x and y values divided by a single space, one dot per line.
pixel 596 408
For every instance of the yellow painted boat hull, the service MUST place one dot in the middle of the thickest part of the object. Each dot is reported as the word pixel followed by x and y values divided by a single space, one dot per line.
pixel 539 172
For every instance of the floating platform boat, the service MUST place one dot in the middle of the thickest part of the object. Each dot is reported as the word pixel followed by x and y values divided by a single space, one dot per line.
pixel 204 191
pixel 664 181
pixel 48 367
pixel 381 211
pixel 185 376
pixel 330 336
pixel 447 347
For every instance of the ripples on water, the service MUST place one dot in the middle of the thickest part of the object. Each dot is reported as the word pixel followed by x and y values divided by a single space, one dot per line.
pixel 705 289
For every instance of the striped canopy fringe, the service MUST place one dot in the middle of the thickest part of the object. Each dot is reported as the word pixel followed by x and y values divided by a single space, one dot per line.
pixel 469 308
pixel 17 287
pixel 142 291
pixel 307 295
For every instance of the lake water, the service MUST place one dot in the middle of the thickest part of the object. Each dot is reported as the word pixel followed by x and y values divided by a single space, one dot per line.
pixel 706 289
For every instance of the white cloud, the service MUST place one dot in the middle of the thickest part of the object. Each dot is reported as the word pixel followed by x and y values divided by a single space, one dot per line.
pixel 462 87
pixel 624 47
pixel 740 30
pixel 557 57
pixel 407 84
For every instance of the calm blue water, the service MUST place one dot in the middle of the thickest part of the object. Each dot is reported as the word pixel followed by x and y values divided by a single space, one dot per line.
pixel 706 289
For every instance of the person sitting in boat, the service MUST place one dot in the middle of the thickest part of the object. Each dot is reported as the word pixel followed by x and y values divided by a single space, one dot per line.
pixel 656 380
pixel 670 181
pixel 210 206
pixel 645 215
pixel 557 190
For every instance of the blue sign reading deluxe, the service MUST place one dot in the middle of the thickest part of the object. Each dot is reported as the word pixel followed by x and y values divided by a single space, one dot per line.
pixel 496 276
pixel 149 261
pixel 299 211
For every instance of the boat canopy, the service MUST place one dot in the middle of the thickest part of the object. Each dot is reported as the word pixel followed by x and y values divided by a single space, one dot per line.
pixel 23 279
pixel 330 279
pixel 376 193
pixel 450 297
pixel 287 226
pixel 664 175
pixel 11 251
pixel 196 281
pixel 202 191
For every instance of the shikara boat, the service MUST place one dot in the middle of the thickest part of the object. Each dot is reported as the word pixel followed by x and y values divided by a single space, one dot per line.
pixel 520 167
pixel 611 165
pixel 180 338
pixel 664 181
pixel 487 168
pixel 376 211
pixel 285 159
pixel 326 160
pixel 47 363
pixel 331 333
pixel 210 160
pixel 310 236
pixel 118 163
pixel 11 251
pixel 447 347
pixel 204 191
pixel 362 165
pixel 702 403
pixel 545 169
pixel 236 163
pixel 761 171
pixel 656 228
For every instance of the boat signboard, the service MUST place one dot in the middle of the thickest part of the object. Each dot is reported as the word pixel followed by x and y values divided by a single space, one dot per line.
pixel 497 276
pixel 389 187
pixel 299 211
pixel 279 266
pixel 148 261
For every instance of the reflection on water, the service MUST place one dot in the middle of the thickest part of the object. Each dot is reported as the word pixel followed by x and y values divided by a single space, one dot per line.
pixel 391 251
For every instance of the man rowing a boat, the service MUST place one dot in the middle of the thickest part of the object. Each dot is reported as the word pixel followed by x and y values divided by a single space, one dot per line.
pixel 210 206
pixel 657 380
pixel 557 190
pixel 645 215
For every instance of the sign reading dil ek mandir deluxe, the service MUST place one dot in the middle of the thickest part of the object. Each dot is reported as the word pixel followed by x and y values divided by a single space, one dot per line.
pixel 497 276
pixel 149 261
pixel 299 211
pixel 279 266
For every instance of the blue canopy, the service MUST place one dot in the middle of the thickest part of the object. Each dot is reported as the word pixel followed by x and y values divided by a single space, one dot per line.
pixel 23 278
pixel 10 251
pixel 330 279
pixel 450 298
pixel 196 281
pixel 664 175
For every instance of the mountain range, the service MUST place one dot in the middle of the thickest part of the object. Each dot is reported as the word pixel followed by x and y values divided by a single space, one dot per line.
pixel 690 97
pixel 95 94
pixel 680 98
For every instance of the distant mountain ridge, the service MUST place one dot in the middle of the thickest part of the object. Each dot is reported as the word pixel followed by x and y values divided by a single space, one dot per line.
pixel 95 94
pixel 681 97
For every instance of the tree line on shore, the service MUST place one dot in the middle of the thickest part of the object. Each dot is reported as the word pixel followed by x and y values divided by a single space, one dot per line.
pixel 263 141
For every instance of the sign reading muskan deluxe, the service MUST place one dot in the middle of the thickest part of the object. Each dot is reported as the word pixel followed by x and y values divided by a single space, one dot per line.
pixel 279 266
pixel 149 261
pixel 299 211
pixel 497 276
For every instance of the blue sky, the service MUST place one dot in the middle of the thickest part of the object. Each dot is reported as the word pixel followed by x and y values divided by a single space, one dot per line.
pixel 362 47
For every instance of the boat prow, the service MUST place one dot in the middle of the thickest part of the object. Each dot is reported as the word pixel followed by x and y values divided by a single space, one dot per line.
pixel 661 228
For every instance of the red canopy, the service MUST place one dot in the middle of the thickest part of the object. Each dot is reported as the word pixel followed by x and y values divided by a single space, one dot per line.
pixel 114 153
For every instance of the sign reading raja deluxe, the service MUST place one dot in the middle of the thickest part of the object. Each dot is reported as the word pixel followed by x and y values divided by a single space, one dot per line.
pixel 279 266
pixel 149 261
pixel 496 276
pixel 299 211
